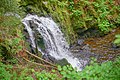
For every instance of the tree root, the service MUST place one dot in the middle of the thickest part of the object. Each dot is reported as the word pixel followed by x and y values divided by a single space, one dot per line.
pixel 40 59
pixel 48 66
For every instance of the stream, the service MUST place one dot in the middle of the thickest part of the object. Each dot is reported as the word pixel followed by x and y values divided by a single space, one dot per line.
pixel 57 49
pixel 104 47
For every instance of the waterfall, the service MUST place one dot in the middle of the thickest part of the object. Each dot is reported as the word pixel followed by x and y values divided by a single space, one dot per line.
pixel 54 40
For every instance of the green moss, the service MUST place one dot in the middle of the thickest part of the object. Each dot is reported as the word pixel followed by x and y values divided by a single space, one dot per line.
pixel 73 16
pixel 55 8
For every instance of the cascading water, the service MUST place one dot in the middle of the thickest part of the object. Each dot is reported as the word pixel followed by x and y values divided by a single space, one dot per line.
pixel 54 41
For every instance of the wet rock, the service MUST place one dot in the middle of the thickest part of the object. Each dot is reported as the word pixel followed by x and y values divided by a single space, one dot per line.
pixel 49 58
pixel 12 14
pixel 33 25
pixel 114 46
pixel 32 50
pixel 80 41
pixel 86 48
pixel 90 32
pixel 84 63
pixel 80 48
pixel 26 35
pixel 83 53
pixel 62 62
pixel 25 30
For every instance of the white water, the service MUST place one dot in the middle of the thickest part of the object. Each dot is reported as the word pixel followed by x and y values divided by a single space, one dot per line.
pixel 55 43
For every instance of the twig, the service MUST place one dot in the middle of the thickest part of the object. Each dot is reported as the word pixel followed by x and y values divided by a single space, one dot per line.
pixel 18 60
pixel 39 63
pixel 39 58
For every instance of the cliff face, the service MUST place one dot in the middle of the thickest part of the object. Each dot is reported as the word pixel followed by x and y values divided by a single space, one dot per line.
pixel 76 16
pixel 55 9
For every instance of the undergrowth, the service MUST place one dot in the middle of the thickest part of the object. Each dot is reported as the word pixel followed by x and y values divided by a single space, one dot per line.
pixel 105 71
pixel 11 37
pixel 101 14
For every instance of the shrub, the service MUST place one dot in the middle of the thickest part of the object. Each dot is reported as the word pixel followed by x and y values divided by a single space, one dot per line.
pixel 105 71
pixel 117 40
pixel 9 6
pixel 4 72
pixel 11 37
pixel 98 14
pixel 7 72
pixel 46 76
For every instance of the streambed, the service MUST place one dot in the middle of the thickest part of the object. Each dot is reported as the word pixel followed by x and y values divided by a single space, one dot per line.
pixel 101 48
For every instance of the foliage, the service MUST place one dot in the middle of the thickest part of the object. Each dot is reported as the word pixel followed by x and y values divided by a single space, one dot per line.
pixel 7 72
pixel 117 40
pixel 11 37
pixel 9 6
pixel 46 76
pixel 99 14
pixel 105 71
pixel 77 15
pixel 4 74
pixel 109 70
pixel 69 73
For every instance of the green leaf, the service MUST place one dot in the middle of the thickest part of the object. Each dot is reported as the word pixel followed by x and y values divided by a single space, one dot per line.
pixel 53 70
pixel 63 73
pixel 64 68
pixel 117 41
pixel 117 36
pixel 59 68
pixel 70 68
